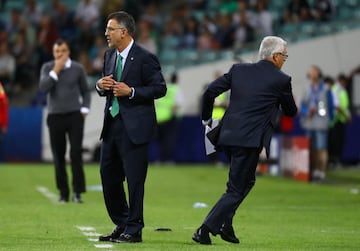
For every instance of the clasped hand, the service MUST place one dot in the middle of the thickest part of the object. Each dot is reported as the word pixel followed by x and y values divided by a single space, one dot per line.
pixel 119 89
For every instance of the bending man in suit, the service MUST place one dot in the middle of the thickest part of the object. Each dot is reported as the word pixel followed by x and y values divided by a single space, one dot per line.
pixel 131 80
pixel 259 92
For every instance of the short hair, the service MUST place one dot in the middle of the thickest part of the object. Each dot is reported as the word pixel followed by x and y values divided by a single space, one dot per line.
pixel 125 19
pixel 318 70
pixel 61 41
pixel 342 77
pixel 271 45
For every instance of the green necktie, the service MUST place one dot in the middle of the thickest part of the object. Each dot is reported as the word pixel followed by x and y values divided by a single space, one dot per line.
pixel 115 103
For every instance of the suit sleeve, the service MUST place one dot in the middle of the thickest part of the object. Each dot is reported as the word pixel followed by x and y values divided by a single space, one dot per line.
pixel 288 105
pixel 154 85
pixel 215 88
pixel 103 93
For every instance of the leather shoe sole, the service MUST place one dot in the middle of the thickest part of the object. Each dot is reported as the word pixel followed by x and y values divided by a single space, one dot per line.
pixel 201 237
pixel 115 234
pixel 229 235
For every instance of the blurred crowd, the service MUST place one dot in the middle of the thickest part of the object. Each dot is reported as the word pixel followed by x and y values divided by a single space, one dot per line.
pixel 27 35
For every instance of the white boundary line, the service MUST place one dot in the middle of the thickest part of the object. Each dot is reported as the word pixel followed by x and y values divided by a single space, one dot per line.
pixel 90 231
pixel 48 194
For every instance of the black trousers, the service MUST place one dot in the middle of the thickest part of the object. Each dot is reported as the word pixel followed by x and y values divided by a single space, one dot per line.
pixel 336 142
pixel 120 159
pixel 243 162
pixel 61 126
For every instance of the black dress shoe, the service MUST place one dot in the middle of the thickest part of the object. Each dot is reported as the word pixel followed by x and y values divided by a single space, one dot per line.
pixel 63 199
pixel 201 236
pixel 113 235
pixel 77 198
pixel 228 234
pixel 127 238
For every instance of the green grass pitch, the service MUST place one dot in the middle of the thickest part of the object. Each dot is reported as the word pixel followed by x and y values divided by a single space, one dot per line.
pixel 279 213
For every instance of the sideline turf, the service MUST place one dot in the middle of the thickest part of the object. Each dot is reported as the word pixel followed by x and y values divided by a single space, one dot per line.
pixel 278 214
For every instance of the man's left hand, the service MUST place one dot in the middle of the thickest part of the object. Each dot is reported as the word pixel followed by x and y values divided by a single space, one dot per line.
pixel 120 89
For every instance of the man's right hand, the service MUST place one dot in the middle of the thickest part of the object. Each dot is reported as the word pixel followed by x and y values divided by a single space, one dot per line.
pixel 106 83
pixel 59 64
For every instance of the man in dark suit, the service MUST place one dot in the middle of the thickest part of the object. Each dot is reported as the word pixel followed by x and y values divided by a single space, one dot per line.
pixel 259 93
pixel 131 80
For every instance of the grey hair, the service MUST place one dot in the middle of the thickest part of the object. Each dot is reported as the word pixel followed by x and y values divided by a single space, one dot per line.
pixel 271 45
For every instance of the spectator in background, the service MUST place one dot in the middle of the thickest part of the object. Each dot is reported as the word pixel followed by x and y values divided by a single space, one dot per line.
pixel 13 24
pixel 87 15
pixel 96 55
pixel 342 116
pixel 7 67
pixel 323 10
pixel 146 37
pixel 316 110
pixel 47 35
pixel 2 5
pixel 264 22
pixel 295 10
pixel 84 60
pixel 188 39
pixel 305 15
pixel 98 62
pixel 53 9
pixel 65 23
pixel 32 13
pixel 205 40
pixel 65 82
pixel 243 9
pixel 97 47
pixel 208 23
pixel 23 50
pixel 30 36
pixel 225 33
pixel 168 117
pixel 152 15
pixel 244 32
pixel 87 20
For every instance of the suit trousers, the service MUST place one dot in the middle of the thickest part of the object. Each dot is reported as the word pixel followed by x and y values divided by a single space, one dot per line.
pixel 243 163
pixel 121 158
pixel 60 126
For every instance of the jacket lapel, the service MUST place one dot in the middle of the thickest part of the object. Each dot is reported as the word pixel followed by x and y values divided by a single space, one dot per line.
pixel 113 63
pixel 129 61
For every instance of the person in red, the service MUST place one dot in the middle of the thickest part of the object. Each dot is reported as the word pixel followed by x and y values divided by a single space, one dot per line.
pixel 4 111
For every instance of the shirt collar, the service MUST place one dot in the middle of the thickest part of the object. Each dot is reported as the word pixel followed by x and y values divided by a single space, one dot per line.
pixel 126 51
pixel 68 63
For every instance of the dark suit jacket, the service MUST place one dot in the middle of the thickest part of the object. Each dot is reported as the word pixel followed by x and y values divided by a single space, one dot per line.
pixel 141 71
pixel 258 92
